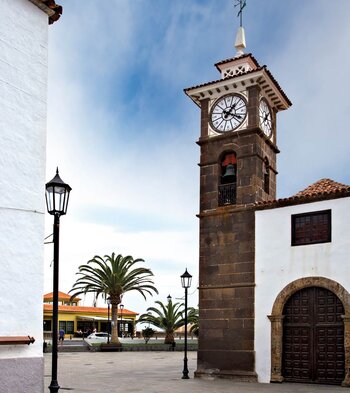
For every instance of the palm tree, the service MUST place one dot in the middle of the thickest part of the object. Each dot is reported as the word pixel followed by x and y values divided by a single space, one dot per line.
pixel 193 317
pixel 112 276
pixel 168 317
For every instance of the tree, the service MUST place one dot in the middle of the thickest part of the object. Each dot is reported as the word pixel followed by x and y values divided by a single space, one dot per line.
pixel 193 317
pixel 147 333
pixel 112 276
pixel 168 317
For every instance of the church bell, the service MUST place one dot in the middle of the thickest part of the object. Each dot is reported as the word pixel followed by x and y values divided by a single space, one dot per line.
pixel 230 171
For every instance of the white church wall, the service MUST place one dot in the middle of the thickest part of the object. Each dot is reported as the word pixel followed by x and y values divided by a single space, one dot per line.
pixel 277 263
pixel 23 90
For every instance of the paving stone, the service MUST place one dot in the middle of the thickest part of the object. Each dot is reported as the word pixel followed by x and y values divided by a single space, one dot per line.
pixel 151 372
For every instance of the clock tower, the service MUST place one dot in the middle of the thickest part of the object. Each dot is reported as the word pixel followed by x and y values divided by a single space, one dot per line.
pixel 238 148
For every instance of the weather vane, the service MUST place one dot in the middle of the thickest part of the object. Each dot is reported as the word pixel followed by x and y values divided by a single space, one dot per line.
pixel 241 4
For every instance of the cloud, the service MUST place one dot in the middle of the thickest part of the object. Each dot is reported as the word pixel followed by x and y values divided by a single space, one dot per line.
pixel 313 135
pixel 123 133
pixel 166 253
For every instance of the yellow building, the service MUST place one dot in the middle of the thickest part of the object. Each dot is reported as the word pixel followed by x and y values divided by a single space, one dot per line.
pixel 73 318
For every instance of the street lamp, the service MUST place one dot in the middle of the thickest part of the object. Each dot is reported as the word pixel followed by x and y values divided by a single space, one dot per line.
pixel 186 283
pixel 108 324
pixel 169 298
pixel 57 197
pixel 121 318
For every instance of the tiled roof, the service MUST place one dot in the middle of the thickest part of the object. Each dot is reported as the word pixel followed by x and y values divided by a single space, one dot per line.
pixel 61 295
pixel 323 186
pixel 321 190
pixel 235 58
pixel 263 68
pixel 53 10
pixel 88 310
pixel 220 80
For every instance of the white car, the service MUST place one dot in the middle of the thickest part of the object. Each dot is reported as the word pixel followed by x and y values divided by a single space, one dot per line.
pixel 99 337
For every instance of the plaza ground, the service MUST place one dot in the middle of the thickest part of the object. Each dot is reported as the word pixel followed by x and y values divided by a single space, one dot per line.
pixel 150 372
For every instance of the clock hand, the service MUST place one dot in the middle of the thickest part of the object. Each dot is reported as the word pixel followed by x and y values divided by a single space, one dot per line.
pixel 226 113
pixel 229 111
pixel 233 106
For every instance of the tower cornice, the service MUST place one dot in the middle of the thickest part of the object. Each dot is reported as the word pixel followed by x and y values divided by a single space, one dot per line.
pixel 260 76
pixel 235 135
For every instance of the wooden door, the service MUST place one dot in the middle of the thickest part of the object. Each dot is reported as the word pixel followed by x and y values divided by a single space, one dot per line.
pixel 313 337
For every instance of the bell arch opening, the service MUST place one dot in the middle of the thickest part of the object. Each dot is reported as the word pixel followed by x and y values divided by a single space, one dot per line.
pixel 227 183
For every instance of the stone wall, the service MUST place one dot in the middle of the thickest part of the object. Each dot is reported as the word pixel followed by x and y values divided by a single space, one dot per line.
pixel 227 247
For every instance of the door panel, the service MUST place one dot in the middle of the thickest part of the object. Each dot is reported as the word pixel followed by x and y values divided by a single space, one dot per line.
pixel 313 337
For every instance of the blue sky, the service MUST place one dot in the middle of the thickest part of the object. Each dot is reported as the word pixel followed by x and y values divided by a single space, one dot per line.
pixel 123 132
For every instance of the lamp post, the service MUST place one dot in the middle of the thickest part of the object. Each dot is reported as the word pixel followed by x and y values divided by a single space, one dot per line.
pixel 57 197
pixel 121 318
pixel 169 298
pixel 186 283
pixel 108 324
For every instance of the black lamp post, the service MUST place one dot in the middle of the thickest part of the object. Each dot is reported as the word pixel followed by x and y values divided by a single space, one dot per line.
pixel 57 196
pixel 108 324
pixel 186 283
pixel 121 319
pixel 169 298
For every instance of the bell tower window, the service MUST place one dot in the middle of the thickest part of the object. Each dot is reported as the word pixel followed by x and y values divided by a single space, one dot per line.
pixel 228 180
pixel 266 176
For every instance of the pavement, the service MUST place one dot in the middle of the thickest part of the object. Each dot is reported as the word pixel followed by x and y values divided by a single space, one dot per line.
pixel 151 372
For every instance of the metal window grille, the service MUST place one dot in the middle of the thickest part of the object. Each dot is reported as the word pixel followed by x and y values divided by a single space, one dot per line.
pixel 227 194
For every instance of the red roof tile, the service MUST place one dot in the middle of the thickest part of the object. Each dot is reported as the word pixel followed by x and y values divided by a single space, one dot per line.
pixel 321 190
pixel 61 295
pixel 220 80
pixel 323 186
pixel 235 58
pixel 88 310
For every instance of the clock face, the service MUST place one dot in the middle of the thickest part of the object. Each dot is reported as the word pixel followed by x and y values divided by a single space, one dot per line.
pixel 265 118
pixel 228 113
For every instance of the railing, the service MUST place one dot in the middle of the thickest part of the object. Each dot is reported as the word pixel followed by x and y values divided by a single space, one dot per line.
pixel 227 194
pixel 16 340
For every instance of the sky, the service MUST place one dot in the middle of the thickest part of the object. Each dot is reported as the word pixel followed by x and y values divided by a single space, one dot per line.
pixel 122 131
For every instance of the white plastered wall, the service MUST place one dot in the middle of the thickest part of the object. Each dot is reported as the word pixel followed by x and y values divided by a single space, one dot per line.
pixel 277 263
pixel 23 100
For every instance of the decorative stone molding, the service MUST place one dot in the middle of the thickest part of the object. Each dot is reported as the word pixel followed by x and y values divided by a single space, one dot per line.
pixel 346 319
pixel 276 319
pixel 239 69
pixel 16 340
pixel 276 347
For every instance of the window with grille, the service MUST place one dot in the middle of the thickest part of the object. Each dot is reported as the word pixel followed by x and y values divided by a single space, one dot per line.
pixel 62 325
pixel 311 228
pixel 70 327
pixel 67 326
pixel 266 176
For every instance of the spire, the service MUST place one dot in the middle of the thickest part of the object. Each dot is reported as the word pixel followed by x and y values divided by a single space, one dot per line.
pixel 240 44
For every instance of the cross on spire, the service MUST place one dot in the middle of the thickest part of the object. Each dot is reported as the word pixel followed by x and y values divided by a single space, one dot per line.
pixel 240 37
pixel 241 4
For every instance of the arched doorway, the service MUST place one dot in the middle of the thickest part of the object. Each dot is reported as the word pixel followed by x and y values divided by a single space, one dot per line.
pixel 313 337
pixel 277 322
